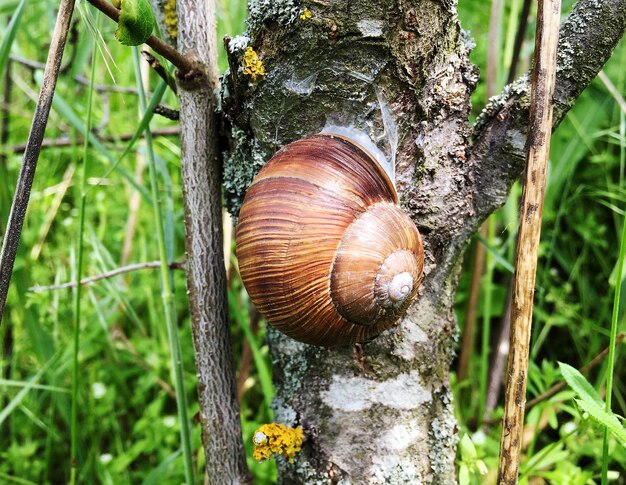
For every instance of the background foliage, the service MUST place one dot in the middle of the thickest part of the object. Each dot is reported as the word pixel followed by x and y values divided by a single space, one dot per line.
pixel 128 425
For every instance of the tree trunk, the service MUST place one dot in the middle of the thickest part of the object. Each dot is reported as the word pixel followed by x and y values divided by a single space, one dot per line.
pixel 382 412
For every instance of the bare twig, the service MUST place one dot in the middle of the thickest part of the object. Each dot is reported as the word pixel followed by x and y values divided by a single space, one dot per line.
pixel 163 73
pixel 169 113
pixel 186 64
pixel 538 145
pixel 206 275
pixel 108 274
pixel 498 362
pixel 559 386
pixel 519 40
pixel 583 370
pixel 31 154
pixel 66 142
pixel 467 346
pixel 29 63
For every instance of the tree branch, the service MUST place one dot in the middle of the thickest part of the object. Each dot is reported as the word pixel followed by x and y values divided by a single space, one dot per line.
pixel 206 276
pixel 34 65
pixel 588 37
pixel 186 64
pixel 66 142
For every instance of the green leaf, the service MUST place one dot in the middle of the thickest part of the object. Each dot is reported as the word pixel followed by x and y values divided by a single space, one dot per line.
pixel 464 475
pixel 608 420
pixel 468 450
pixel 580 385
pixel 481 467
pixel 136 22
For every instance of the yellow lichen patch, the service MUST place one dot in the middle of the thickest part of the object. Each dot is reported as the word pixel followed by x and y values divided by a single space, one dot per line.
pixel 306 14
pixel 273 438
pixel 252 65
pixel 171 20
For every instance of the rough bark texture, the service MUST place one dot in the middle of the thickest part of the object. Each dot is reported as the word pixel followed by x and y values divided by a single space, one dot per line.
pixel 399 70
pixel 206 275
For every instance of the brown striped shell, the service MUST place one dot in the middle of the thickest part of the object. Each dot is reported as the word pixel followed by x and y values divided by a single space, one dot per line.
pixel 325 252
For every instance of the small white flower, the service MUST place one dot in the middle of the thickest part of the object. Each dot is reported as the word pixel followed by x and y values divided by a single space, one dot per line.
pixel 106 458
pixel 479 437
pixel 169 421
pixel 568 427
pixel 98 390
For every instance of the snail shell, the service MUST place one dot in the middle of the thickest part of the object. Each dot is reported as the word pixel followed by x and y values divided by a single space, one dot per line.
pixel 325 252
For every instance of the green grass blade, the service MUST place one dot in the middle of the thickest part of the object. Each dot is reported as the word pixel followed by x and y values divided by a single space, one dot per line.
pixel 12 479
pixel 143 125
pixel 167 292
pixel 19 397
pixel 265 375
pixel 7 40
pixel 612 350
pixel 43 387
pixel 63 108
pixel 157 475
pixel 495 254
pixel 78 272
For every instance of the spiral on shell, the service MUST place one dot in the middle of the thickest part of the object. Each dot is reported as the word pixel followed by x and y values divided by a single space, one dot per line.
pixel 324 250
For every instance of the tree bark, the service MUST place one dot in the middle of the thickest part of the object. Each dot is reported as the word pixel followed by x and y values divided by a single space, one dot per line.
pixel 382 412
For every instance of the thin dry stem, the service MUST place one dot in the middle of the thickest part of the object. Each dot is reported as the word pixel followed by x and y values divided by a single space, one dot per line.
pixel 108 274
pixel 538 145
pixel 519 40
pixel 556 388
pixel 469 332
pixel 610 87
pixel 34 65
pixel 33 147
pixel 66 142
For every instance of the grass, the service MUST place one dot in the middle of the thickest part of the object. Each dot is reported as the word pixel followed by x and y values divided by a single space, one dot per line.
pixel 575 315
pixel 124 413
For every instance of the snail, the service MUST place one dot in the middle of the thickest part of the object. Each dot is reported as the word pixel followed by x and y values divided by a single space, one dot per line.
pixel 324 250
